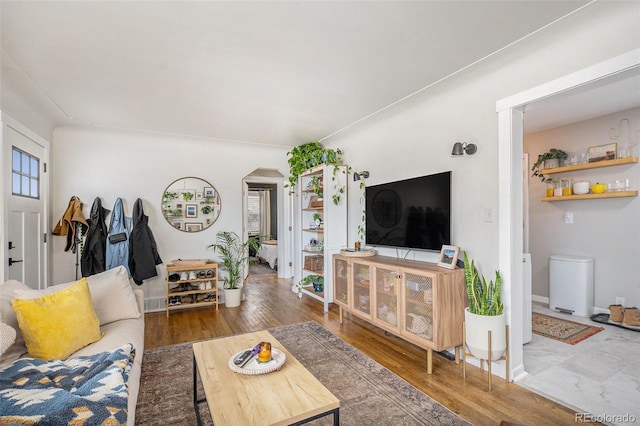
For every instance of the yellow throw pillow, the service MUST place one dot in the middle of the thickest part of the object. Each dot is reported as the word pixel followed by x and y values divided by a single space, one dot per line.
pixel 56 325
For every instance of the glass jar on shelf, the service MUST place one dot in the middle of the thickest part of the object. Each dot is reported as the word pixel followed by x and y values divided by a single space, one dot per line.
pixel 549 192
pixel 566 187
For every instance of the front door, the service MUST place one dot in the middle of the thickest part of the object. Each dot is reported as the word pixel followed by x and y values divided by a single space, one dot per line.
pixel 25 243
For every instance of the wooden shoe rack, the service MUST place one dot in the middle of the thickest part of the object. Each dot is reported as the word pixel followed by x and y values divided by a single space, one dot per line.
pixel 188 291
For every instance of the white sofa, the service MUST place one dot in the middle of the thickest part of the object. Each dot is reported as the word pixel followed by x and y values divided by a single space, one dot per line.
pixel 118 306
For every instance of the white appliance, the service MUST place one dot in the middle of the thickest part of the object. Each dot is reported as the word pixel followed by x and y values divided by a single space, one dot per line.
pixel 527 327
pixel 571 284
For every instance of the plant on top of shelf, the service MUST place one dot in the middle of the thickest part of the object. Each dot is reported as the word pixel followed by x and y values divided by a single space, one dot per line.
pixel 484 298
pixel 305 156
pixel 552 154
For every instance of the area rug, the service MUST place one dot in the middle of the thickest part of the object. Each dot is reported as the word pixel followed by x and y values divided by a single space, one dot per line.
pixel 368 392
pixel 566 331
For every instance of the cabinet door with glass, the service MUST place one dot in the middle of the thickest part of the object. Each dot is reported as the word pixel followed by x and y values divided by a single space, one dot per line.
pixel 418 291
pixel 341 282
pixel 361 279
pixel 386 297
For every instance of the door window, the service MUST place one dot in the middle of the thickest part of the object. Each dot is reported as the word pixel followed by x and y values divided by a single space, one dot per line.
pixel 25 174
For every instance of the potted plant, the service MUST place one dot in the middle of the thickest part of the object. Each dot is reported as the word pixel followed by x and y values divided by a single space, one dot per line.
pixel 485 312
pixel 303 157
pixel 206 209
pixel 316 280
pixel 551 159
pixel 233 254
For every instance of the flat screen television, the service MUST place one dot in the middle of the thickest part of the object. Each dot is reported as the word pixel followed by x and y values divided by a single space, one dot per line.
pixel 412 213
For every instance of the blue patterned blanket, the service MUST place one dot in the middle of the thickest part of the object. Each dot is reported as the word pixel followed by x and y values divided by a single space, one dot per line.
pixel 87 390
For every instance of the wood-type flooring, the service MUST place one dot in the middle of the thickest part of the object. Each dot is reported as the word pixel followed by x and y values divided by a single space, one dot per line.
pixel 270 303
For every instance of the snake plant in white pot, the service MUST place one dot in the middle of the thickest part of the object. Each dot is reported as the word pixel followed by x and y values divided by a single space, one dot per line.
pixel 485 312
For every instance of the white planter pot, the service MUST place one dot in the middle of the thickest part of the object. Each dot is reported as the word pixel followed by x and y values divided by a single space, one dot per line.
pixel 551 163
pixel 476 327
pixel 232 297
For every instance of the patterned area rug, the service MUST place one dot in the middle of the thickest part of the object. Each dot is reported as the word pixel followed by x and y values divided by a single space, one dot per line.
pixel 368 392
pixel 563 330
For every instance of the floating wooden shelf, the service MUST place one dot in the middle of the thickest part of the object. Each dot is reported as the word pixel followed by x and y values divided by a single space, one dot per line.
pixel 620 194
pixel 587 166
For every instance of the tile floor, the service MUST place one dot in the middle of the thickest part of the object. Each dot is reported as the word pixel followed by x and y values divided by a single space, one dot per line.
pixel 600 375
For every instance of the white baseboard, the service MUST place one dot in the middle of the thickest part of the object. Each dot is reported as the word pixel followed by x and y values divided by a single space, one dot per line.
pixel 540 299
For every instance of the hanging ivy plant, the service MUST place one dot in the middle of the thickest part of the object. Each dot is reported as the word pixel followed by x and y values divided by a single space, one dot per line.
pixel 305 156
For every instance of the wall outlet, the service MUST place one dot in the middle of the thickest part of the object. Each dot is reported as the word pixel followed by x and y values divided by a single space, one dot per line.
pixel 488 215
pixel 568 217
pixel 619 300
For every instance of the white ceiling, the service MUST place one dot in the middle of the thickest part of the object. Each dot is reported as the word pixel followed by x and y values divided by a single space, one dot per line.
pixel 279 73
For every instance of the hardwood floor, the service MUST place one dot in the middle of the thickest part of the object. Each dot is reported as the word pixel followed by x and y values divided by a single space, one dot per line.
pixel 270 303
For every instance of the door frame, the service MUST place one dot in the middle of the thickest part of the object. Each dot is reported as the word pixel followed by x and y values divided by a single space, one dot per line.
pixel 5 189
pixel 510 181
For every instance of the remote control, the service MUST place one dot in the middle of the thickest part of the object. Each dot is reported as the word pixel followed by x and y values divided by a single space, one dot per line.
pixel 240 359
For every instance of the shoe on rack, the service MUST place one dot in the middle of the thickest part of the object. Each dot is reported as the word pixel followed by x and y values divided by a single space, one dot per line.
pixel 201 286
pixel 631 317
pixel 184 276
pixel 207 285
pixel 174 277
pixel 209 273
pixel 617 313
pixel 202 274
pixel 192 275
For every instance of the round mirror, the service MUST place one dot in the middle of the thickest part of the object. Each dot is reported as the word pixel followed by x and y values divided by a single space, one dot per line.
pixel 190 204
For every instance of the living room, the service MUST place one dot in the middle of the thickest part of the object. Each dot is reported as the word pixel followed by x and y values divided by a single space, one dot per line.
pixel 405 138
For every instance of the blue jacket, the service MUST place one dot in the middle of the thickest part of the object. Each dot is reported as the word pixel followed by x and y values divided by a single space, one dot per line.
pixel 118 252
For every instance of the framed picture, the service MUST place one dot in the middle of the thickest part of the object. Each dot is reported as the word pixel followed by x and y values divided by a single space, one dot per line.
pixel 198 195
pixel 193 226
pixel 449 256
pixel 191 211
pixel 177 224
pixel 187 194
pixel 208 191
pixel 602 152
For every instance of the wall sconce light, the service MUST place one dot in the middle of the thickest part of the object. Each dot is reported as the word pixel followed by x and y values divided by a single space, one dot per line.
pixel 362 175
pixel 460 148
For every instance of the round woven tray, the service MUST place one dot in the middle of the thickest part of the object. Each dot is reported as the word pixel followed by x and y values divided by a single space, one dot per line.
pixel 254 368
pixel 359 253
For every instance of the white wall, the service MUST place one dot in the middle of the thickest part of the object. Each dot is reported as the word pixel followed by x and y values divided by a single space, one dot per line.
pixel 92 163
pixel 607 230
pixel 415 137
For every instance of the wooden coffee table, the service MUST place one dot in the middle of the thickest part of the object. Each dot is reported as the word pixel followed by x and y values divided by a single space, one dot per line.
pixel 291 395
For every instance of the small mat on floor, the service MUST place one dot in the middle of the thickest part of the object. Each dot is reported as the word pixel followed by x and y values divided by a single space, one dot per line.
pixel 604 319
pixel 566 331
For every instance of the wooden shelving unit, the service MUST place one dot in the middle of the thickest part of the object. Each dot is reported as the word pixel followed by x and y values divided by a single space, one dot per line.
pixel 620 194
pixel 589 166
pixel 188 290
pixel 329 232
pixel 596 165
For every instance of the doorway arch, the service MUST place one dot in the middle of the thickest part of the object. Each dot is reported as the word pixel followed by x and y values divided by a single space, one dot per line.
pixel 273 177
